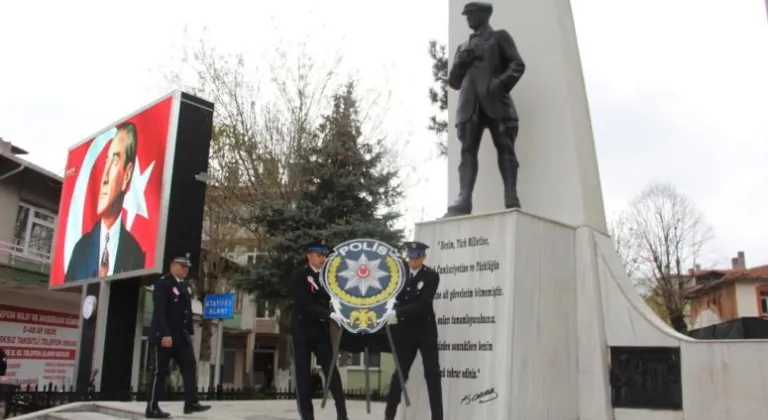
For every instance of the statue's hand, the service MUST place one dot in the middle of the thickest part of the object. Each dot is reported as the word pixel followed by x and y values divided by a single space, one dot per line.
pixel 465 56
pixel 496 85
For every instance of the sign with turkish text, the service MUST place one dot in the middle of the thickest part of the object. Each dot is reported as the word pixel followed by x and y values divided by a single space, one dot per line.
pixel 219 306
pixel 41 345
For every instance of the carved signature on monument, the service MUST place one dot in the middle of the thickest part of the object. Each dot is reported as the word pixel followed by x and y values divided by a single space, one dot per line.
pixel 481 397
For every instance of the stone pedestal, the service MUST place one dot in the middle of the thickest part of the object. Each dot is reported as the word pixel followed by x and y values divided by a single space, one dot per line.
pixel 537 320
pixel 508 323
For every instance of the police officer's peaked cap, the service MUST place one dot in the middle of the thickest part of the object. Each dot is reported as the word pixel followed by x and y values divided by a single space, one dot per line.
pixel 415 248
pixel 477 6
pixel 319 245
pixel 185 261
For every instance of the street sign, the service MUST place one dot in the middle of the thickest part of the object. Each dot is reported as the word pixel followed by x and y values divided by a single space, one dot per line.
pixel 219 306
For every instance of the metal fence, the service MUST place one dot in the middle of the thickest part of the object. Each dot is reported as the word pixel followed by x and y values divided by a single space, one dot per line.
pixel 33 398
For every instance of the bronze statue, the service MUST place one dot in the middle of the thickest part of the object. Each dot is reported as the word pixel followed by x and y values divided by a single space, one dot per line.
pixel 484 71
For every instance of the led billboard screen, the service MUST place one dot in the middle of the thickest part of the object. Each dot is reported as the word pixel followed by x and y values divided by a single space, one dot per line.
pixel 111 220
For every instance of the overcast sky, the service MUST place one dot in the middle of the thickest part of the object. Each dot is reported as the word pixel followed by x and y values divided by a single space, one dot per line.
pixel 678 90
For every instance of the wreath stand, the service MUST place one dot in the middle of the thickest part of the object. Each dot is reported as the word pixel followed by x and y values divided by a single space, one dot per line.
pixel 335 360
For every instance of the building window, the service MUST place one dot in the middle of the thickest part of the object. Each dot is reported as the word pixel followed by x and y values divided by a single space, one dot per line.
pixel 763 301
pixel 356 360
pixel 33 233
pixel 262 310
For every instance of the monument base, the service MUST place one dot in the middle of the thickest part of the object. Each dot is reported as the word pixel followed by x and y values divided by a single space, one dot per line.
pixel 537 320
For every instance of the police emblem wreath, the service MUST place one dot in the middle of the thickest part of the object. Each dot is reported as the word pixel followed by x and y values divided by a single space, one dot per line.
pixel 363 277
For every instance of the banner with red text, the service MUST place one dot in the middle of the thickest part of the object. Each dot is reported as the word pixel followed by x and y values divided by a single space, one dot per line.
pixel 41 345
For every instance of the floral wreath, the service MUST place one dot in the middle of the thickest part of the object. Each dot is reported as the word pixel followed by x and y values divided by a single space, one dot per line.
pixel 360 301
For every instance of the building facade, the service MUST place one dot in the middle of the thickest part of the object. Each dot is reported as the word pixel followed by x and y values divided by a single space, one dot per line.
pixel 29 201
pixel 718 296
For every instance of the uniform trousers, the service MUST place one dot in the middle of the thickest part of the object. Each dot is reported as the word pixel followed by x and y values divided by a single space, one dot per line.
pixel 184 355
pixel 408 340
pixel 303 344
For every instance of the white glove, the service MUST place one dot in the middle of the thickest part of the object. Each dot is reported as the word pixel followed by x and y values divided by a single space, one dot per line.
pixel 390 315
pixel 338 318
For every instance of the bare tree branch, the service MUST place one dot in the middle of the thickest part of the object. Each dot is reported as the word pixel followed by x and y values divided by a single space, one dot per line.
pixel 659 238
pixel 624 243
pixel 265 118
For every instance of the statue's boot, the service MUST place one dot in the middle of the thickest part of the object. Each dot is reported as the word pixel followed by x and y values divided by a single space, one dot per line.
pixel 467 176
pixel 508 168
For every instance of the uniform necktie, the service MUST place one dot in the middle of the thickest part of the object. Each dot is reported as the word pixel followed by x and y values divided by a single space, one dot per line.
pixel 104 265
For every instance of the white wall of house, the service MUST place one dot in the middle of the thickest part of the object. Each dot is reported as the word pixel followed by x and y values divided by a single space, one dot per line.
pixel 746 298
pixel 9 200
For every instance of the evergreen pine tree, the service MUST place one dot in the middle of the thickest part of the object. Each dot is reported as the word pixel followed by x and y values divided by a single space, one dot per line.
pixel 350 190
pixel 347 191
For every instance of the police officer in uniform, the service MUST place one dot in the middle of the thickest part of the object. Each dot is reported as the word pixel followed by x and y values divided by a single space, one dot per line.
pixel 416 330
pixel 310 332
pixel 171 336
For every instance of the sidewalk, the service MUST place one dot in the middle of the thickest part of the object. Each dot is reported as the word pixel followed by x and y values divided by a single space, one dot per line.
pixel 256 410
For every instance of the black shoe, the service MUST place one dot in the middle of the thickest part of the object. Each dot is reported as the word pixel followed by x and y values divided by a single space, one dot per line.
pixel 196 408
pixel 156 413
pixel 343 418
pixel 458 209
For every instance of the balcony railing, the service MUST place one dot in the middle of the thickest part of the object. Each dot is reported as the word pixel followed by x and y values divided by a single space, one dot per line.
pixel 266 326
pixel 16 253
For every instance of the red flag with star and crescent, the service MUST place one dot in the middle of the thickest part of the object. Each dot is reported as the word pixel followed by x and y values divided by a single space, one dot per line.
pixel 87 180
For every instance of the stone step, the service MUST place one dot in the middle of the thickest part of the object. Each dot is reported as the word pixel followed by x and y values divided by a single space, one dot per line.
pixel 81 415
pixel 228 410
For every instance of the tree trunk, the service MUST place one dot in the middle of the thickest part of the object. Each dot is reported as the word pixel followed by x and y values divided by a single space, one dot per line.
pixel 678 323
pixel 206 333
pixel 284 338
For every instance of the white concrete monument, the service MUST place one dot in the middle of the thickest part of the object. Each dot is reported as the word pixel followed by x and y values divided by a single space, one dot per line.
pixel 532 303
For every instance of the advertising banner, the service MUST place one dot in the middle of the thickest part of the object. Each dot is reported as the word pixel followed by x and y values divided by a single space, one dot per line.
pixel 40 345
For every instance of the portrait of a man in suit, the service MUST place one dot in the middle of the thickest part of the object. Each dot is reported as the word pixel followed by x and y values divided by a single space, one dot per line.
pixel 109 248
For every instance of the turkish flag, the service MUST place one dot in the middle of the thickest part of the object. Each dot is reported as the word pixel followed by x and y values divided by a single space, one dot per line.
pixel 116 176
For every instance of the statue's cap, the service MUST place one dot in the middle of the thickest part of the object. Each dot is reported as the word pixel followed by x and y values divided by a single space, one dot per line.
pixel 477 6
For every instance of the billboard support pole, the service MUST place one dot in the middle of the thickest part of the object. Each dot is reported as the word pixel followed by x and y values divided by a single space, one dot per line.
pixel 100 337
pixel 219 351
